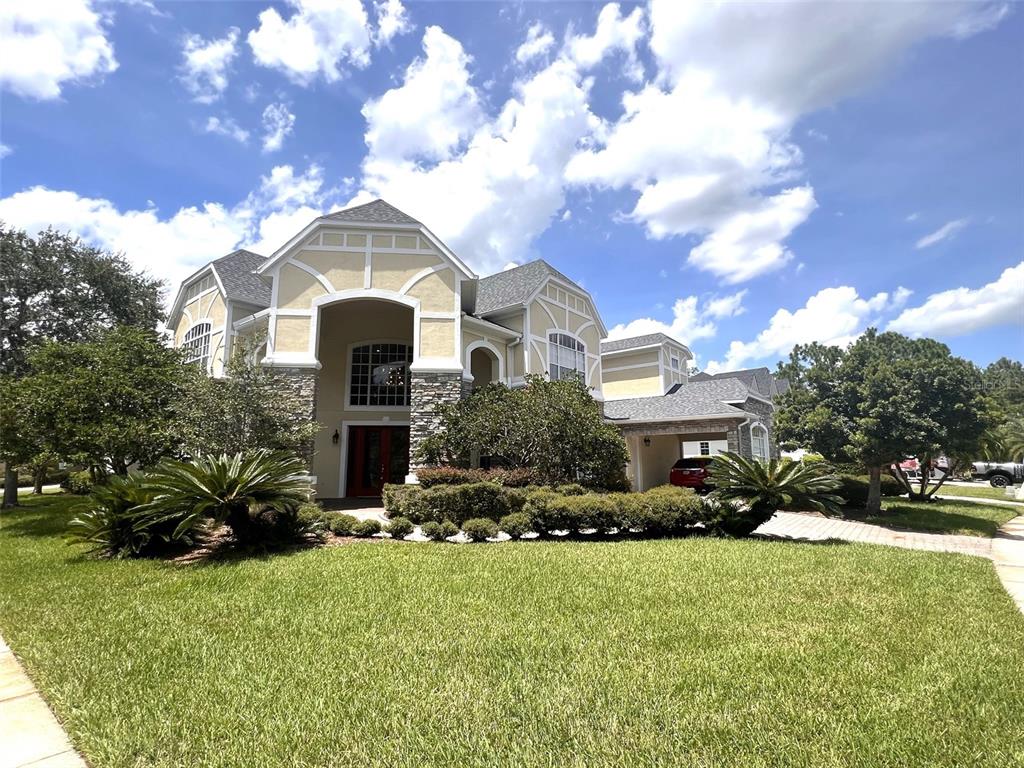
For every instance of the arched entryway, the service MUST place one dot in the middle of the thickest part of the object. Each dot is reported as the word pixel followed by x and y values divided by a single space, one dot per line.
pixel 365 348
pixel 484 364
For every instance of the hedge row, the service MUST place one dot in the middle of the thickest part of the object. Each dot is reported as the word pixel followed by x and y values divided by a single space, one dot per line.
pixel 662 511
pixel 510 478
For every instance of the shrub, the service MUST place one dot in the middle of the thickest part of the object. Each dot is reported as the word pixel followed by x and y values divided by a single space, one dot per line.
pixel 400 527
pixel 516 524
pixel 480 528
pixel 436 531
pixel 78 483
pixel 312 512
pixel 394 497
pixel 517 477
pixel 661 511
pixel 366 528
pixel 765 487
pixel 854 488
pixel 114 526
pixel 575 513
pixel 571 489
pixel 729 517
pixel 341 524
pixel 257 494
pixel 272 528
pixel 459 502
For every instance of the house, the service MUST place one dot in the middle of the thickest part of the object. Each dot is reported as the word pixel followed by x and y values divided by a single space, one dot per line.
pixel 374 322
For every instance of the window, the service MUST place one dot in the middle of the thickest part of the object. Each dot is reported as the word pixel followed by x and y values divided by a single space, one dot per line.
pixel 567 357
pixel 203 284
pixel 197 344
pixel 675 363
pixel 759 442
pixel 705 448
pixel 379 375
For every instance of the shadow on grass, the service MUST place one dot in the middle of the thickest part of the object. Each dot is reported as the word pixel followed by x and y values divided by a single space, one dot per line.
pixel 905 518
pixel 38 521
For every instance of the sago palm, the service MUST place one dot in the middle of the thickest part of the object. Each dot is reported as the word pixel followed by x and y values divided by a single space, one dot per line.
pixel 229 489
pixel 765 487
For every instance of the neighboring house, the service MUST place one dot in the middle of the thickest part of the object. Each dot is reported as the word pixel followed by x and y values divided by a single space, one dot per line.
pixel 375 322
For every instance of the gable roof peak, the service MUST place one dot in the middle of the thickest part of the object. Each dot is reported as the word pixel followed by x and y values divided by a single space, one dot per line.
pixel 377 211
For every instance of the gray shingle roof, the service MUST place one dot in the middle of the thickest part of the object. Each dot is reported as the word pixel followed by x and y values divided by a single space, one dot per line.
pixel 237 273
pixel 761 381
pixel 702 398
pixel 513 287
pixel 633 342
pixel 375 212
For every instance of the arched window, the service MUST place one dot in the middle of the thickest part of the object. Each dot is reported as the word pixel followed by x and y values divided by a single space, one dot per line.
pixel 759 442
pixel 567 357
pixel 379 375
pixel 197 344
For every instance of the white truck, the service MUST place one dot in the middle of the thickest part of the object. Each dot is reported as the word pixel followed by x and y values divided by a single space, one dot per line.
pixel 998 474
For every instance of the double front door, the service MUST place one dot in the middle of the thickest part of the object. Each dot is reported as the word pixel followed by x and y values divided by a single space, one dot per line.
pixel 376 455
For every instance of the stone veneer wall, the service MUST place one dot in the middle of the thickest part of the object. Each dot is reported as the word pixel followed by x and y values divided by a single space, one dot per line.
pixel 428 390
pixel 766 414
pixel 303 383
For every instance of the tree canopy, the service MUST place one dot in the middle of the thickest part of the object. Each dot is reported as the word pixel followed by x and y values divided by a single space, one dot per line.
pixel 885 398
pixel 555 427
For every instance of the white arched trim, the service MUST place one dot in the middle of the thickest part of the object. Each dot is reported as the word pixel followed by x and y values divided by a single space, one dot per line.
pixel 327 286
pixel 484 344
pixel 758 431
pixel 543 305
pixel 422 274
pixel 354 294
pixel 547 351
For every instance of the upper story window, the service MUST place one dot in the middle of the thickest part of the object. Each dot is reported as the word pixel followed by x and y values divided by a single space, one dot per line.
pixel 380 375
pixel 567 356
pixel 759 442
pixel 197 344
pixel 675 362
pixel 203 284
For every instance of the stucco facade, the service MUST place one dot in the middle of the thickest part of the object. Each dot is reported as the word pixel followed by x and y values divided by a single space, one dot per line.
pixel 375 323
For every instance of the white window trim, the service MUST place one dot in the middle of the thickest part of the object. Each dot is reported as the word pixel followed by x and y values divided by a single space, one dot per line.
pixel 209 338
pixel 759 433
pixel 348 378
pixel 584 373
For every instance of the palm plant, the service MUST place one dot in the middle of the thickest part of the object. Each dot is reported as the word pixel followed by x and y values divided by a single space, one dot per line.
pixel 765 487
pixel 241 491
pixel 114 522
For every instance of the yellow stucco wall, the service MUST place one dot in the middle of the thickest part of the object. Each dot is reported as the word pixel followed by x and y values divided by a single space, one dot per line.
pixel 297 288
pixel 436 292
pixel 291 335
pixel 391 271
pixel 646 357
pixel 344 270
pixel 633 387
pixel 437 337
pixel 208 307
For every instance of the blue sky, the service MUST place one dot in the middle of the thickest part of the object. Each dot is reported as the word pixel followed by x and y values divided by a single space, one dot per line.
pixel 743 177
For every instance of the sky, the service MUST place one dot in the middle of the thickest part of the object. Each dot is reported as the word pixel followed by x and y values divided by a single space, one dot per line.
pixel 743 177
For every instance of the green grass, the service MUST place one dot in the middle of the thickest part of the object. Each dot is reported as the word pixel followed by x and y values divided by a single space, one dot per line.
pixel 985 491
pixel 689 652
pixel 966 518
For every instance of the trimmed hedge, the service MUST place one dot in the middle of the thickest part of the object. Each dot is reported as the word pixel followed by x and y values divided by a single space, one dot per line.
pixel 516 524
pixel 341 524
pixel 510 478
pixel 400 527
pixel 457 503
pixel 480 528
pixel 366 528
pixel 440 531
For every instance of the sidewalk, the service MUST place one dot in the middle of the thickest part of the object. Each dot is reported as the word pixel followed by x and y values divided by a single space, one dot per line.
pixel 30 734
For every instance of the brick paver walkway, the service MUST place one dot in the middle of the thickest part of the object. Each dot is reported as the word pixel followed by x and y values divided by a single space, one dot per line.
pixel 792 525
pixel 30 736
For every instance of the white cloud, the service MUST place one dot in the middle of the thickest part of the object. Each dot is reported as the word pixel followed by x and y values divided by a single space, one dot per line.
pixel 944 232
pixel 614 32
pixel 206 64
pixel 690 319
pixel 278 122
pixel 392 20
pixel 320 38
pixel 434 109
pixel 833 316
pixel 538 42
pixel 912 216
pixel 491 191
pixel 5 150
pixel 47 44
pixel 707 144
pixel 964 310
pixel 566 215
pixel 226 126
pixel 172 246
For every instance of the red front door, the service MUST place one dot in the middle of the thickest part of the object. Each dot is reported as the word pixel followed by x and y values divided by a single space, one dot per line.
pixel 376 455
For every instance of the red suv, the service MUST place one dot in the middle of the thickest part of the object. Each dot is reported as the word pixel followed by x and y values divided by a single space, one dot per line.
pixel 691 473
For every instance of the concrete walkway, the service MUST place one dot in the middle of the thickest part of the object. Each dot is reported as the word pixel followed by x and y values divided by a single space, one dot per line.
pixel 30 736
pixel 1008 556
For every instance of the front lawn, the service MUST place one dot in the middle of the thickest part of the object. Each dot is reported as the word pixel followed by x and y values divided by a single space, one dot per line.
pixel 675 652
pixel 981 491
pixel 966 518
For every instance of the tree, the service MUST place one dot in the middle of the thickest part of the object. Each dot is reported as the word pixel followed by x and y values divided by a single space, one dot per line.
pixel 885 398
pixel 107 403
pixel 246 410
pixel 54 287
pixel 554 427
